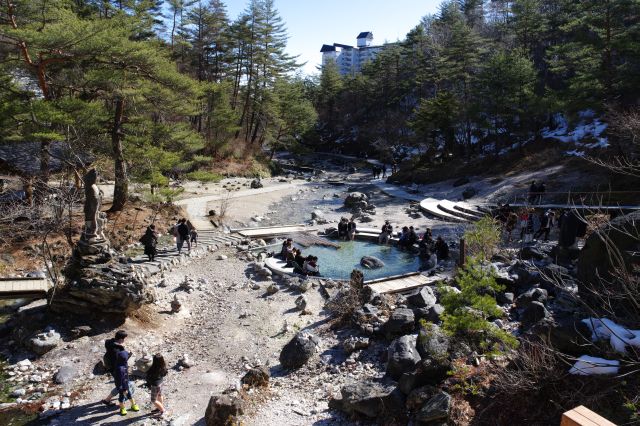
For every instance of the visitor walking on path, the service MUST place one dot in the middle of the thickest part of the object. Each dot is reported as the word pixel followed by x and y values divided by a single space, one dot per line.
pixel 121 376
pixel 182 231
pixel 155 376
pixel 112 347
pixel 150 242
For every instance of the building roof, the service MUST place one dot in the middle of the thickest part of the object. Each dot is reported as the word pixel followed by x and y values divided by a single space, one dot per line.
pixel 365 34
pixel 23 158
pixel 344 46
pixel 327 48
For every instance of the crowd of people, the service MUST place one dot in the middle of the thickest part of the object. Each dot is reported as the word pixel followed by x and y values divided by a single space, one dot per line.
pixel 529 224
pixel 408 238
pixel 116 362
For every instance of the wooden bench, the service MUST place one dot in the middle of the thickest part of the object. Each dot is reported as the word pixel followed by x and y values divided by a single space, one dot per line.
pixel 582 416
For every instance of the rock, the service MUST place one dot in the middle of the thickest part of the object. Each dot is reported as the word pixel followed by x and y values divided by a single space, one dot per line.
pixel 301 303
pixel 175 304
pixel 505 298
pixel 298 351
pixel 42 343
pixel 522 275
pixel 16 393
pixel 401 321
pixel 273 289
pixel 435 409
pixel 432 343
pixel 65 374
pixel 185 361
pixel 418 397
pixel 402 356
pixel 317 214
pixel 144 363
pixel 354 199
pixel 257 377
pixel 223 410
pixel 222 257
pixel 469 192
pixel 80 331
pixel 532 295
pixel 212 213
pixel 460 181
pixel 371 262
pixel 422 298
pixel 256 183
pixel 572 337
pixel 531 253
pixel 371 399
pixel 533 313
pixel 36 274
pixel 353 344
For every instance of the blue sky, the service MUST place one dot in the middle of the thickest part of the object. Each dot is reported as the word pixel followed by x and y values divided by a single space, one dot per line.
pixel 311 23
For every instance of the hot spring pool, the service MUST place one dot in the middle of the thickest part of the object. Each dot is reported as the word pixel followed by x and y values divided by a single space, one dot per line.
pixel 338 263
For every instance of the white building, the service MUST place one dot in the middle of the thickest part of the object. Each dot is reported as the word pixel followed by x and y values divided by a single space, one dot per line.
pixel 350 59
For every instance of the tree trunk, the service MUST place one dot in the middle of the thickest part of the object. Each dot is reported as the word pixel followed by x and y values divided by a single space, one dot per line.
pixel 121 187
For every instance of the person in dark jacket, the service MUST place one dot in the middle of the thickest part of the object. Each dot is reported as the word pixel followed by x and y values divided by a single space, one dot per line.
pixel 442 249
pixel 351 229
pixel 112 347
pixel 183 235
pixel 343 227
pixel 121 377
pixel 150 242
pixel 155 376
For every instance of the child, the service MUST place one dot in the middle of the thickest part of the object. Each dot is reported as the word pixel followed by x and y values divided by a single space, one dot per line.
pixel 121 377
pixel 155 375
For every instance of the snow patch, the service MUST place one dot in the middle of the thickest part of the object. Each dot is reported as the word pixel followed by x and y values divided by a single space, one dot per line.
pixel 619 337
pixel 589 365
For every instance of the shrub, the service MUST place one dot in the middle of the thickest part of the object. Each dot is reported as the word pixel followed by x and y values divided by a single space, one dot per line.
pixel 204 176
pixel 467 313
pixel 483 238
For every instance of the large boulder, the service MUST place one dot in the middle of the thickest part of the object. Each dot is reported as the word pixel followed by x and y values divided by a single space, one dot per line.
pixel 402 356
pixel 401 321
pixel 533 313
pixel 435 409
pixel 598 268
pixel 572 337
pixel 371 262
pixel 42 343
pixel 256 183
pixel 372 399
pixel 223 410
pixel 531 253
pixel 532 295
pixel 256 377
pixel 298 351
pixel 422 298
pixel 355 199
pixel 432 343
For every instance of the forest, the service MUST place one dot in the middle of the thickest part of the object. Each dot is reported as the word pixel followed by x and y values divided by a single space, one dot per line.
pixel 483 77
pixel 160 91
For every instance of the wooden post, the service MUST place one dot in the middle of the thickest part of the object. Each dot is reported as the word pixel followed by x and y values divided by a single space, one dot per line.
pixel 582 416
pixel 463 253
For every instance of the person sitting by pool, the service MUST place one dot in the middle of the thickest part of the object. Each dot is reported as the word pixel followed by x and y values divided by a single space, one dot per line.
pixel 442 249
pixel 387 230
pixel 412 238
pixel 428 237
pixel 287 249
pixel 343 229
pixel 297 261
pixel 351 229
pixel 403 238
pixel 311 266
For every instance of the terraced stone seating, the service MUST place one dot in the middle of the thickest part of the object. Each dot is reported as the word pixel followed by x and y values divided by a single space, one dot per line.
pixel 451 211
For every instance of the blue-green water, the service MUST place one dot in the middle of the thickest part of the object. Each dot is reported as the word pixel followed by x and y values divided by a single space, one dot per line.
pixel 338 263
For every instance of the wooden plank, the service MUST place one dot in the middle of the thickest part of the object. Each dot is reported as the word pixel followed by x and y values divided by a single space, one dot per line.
pixel 582 416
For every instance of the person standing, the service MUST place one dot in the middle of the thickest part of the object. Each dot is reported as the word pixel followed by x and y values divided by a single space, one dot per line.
pixel 386 232
pixel 441 249
pixel 150 242
pixel 183 235
pixel 155 376
pixel 384 170
pixel 121 377
pixel 343 226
